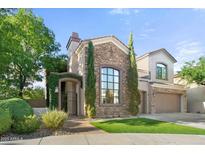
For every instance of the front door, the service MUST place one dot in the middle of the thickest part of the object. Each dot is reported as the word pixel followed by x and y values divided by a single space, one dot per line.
pixel 72 103
pixel 71 98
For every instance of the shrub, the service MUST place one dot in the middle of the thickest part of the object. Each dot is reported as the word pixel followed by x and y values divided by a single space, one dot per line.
pixel 5 121
pixel 17 107
pixel 132 84
pixel 54 119
pixel 33 93
pixel 27 125
pixel 90 88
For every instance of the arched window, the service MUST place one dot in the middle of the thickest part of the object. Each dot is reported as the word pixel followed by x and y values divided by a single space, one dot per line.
pixel 161 71
pixel 110 85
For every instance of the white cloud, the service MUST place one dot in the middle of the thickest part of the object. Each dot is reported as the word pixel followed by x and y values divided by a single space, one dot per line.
pixel 120 11
pixel 187 51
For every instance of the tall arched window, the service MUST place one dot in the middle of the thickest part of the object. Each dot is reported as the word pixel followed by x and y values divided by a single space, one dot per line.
pixel 161 71
pixel 110 85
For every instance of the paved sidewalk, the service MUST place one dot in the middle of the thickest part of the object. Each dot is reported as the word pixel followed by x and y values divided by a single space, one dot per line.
pixel 187 119
pixel 115 139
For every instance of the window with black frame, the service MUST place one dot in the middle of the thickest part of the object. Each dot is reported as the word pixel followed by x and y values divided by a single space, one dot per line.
pixel 110 88
pixel 161 71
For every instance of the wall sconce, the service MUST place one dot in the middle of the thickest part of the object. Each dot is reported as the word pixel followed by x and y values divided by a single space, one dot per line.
pixel 56 90
pixel 154 94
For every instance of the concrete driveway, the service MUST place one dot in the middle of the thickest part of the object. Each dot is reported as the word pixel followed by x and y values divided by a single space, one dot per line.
pixel 188 119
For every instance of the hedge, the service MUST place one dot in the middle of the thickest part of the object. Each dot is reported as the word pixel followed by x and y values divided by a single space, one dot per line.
pixel 5 121
pixel 17 107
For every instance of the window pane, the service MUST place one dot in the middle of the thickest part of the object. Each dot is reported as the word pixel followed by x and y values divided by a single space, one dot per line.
pixel 161 71
pixel 110 85
pixel 116 79
pixel 110 78
pixel 116 100
pixel 116 72
pixel 104 85
pixel 164 73
pixel 109 96
pixel 104 70
pixel 103 93
pixel 104 77
pixel 116 86
pixel 116 93
pixel 110 71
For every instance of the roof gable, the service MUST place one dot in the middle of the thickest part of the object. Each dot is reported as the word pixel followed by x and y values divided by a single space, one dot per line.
pixel 157 51
pixel 105 39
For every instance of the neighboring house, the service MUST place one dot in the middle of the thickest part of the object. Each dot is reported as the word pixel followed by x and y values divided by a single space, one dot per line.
pixel 155 69
pixel 195 95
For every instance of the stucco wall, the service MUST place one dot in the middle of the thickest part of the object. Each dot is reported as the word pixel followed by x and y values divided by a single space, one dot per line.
pixel 161 57
pixel 196 99
pixel 73 64
pixel 143 63
pixel 72 47
pixel 143 85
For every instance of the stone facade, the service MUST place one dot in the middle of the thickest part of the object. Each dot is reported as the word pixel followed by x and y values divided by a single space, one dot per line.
pixel 110 52
pixel 109 55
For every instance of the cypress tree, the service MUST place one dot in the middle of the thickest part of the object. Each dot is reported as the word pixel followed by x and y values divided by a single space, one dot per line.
pixel 133 92
pixel 90 90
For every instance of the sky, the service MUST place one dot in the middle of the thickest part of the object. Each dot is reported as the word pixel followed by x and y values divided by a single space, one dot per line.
pixel 180 31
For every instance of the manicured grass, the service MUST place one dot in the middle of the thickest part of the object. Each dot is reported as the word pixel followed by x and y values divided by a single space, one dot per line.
pixel 143 125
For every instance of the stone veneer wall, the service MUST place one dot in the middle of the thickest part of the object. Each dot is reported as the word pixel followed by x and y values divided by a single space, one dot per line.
pixel 109 55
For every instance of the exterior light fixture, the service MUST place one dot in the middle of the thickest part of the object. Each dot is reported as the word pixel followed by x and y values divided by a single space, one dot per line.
pixel 56 90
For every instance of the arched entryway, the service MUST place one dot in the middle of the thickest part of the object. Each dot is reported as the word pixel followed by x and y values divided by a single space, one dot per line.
pixel 69 96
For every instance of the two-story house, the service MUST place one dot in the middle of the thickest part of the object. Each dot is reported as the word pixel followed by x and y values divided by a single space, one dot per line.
pixel 156 69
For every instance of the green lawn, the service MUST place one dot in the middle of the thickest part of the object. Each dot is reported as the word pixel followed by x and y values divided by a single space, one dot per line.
pixel 143 125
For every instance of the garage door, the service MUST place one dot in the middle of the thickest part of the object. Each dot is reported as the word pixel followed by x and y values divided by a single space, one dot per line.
pixel 167 103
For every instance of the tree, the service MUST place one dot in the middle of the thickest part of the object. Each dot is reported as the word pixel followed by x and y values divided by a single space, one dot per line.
pixel 24 41
pixel 194 72
pixel 90 90
pixel 34 93
pixel 56 63
pixel 133 92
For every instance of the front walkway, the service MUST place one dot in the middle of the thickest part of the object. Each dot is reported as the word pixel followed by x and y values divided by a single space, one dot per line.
pixel 115 139
pixel 82 126
pixel 188 119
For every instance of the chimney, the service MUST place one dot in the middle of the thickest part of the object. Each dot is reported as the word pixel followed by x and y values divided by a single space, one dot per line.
pixel 73 43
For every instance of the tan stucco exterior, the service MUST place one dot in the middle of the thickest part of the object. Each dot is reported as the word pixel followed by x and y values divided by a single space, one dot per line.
pixel 160 57
pixel 195 95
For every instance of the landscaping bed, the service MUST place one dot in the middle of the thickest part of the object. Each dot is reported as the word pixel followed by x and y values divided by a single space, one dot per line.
pixel 19 122
pixel 143 125
pixel 41 132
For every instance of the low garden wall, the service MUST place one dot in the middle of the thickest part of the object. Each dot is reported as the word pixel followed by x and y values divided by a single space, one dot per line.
pixel 196 99
pixel 37 103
